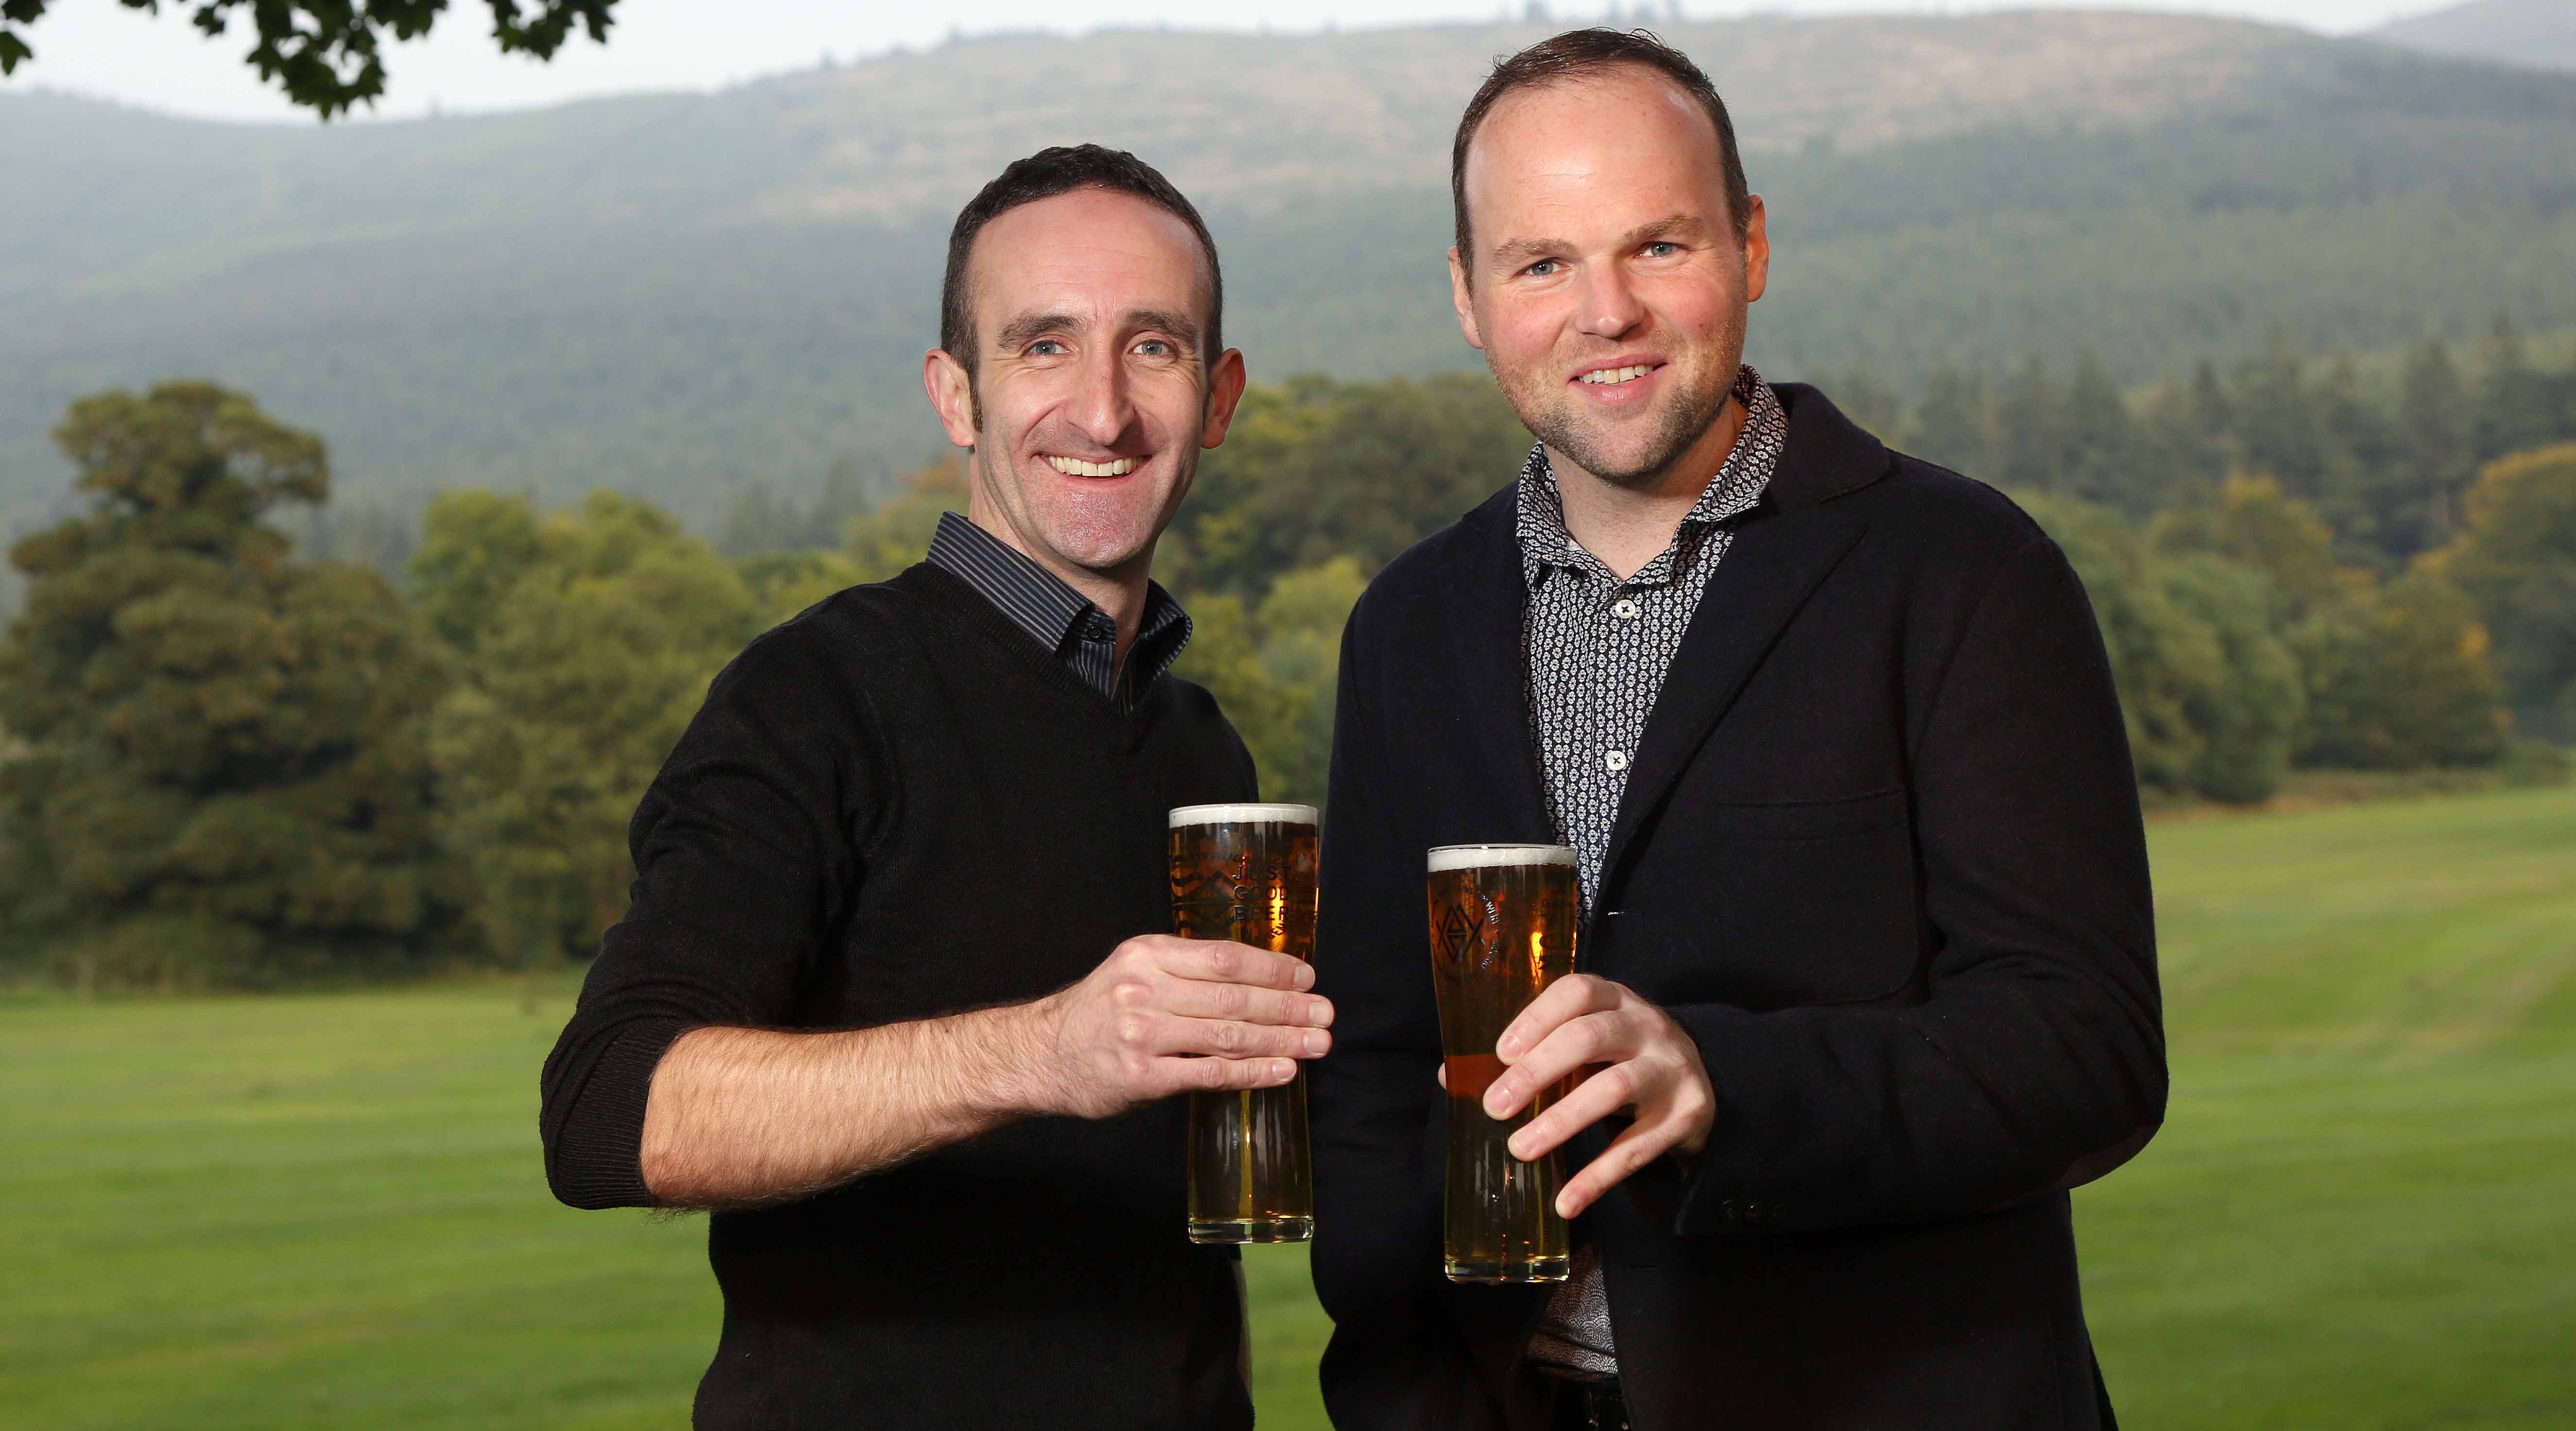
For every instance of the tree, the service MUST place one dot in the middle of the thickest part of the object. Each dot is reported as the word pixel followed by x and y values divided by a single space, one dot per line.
pixel 227 764
pixel 475 548
pixel 2516 409
pixel 579 681
pixel 2402 681
pixel 2209 692
pixel 782 583
pixel 325 53
pixel 2186 426
pixel 1316 469
pixel 2516 557
pixel 2105 456
pixel 1275 668
pixel 2255 523
pixel 2030 423
pixel 2418 499
pixel 2249 717
pixel 895 535
pixel 762 519
pixel 1956 423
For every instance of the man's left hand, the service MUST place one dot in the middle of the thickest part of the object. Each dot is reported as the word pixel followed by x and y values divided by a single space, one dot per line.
pixel 1639 1061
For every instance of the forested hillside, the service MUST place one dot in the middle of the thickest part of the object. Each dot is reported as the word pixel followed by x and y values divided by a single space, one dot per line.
pixel 678 296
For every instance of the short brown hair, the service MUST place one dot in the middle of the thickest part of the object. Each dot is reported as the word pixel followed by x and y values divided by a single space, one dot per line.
pixel 1582 54
pixel 1043 175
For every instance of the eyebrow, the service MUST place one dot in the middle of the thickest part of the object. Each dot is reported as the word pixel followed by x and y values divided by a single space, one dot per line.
pixel 1184 331
pixel 1669 226
pixel 1029 327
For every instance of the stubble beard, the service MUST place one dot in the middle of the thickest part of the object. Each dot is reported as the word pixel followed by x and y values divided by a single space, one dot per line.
pixel 1074 530
pixel 1554 417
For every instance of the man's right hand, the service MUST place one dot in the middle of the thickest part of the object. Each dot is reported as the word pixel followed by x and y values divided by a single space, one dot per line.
pixel 1164 1015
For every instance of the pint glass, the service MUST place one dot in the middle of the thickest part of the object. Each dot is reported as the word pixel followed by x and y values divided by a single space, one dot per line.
pixel 1502 929
pixel 1247 873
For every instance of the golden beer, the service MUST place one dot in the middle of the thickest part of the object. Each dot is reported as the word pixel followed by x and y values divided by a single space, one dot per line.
pixel 1502 929
pixel 1247 873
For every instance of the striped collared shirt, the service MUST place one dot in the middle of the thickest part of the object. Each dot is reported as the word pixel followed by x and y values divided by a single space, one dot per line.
pixel 1060 618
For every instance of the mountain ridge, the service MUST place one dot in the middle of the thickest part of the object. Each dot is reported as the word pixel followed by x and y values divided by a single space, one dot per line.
pixel 675 294
pixel 2538 34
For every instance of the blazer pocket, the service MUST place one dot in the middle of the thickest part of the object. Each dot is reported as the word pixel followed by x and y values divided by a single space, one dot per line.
pixel 1816 901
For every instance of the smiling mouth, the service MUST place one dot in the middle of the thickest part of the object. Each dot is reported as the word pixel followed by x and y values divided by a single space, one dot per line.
pixel 1076 467
pixel 1611 377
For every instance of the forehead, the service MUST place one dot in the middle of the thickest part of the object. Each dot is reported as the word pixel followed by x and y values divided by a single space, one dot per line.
pixel 1598 147
pixel 1091 251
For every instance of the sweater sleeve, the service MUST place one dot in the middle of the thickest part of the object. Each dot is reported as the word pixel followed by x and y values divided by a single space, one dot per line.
pixel 745 852
pixel 2037 1059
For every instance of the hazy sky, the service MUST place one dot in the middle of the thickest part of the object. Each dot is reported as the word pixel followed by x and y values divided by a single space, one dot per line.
pixel 98 47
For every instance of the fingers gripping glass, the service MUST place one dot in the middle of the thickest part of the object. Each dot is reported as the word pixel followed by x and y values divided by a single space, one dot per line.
pixel 1502 930
pixel 1247 873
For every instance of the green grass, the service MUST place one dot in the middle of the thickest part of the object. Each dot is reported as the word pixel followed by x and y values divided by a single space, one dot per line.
pixel 326 1211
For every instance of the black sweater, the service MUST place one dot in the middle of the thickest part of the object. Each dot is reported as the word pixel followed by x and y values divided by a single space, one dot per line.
pixel 897 806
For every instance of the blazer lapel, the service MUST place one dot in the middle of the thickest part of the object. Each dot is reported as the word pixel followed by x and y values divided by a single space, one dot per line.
pixel 1764 578
pixel 1779 556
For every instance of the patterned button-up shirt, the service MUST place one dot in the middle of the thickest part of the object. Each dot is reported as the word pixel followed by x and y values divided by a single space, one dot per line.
pixel 1060 618
pixel 1596 650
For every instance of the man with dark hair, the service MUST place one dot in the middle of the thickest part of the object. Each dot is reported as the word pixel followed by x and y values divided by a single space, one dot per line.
pixel 1865 980
pixel 892 996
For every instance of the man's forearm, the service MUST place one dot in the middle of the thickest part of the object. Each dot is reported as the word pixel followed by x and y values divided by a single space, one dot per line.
pixel 742 1116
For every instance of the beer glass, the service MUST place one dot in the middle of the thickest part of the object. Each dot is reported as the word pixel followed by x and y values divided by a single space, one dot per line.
pixel 1247 873
pixel 1502 929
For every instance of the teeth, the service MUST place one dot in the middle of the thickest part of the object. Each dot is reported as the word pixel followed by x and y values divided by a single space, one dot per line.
pixel 1075 467
pixel 1607 376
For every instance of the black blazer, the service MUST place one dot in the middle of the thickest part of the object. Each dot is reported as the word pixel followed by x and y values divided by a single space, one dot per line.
pixel 1880 855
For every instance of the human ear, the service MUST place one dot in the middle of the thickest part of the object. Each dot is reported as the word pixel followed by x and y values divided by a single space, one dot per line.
pixel 1225 389
pixel 1464 302
pixel 952 393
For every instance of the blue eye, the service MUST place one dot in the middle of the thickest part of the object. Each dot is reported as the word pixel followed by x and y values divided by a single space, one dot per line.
pixel 1659 248
pixel 1541 269
pixel 1046 348
pixel 1156 347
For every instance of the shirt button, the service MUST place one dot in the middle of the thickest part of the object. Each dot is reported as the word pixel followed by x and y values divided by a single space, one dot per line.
pixel 1615 759
pixel 1624 609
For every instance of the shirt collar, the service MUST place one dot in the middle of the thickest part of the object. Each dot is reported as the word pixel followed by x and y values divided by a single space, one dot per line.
pixel 1055 615
pixel 1737 486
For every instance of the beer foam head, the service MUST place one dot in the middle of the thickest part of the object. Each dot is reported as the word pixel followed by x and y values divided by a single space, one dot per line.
pixel 1478 857
pixel 1243 815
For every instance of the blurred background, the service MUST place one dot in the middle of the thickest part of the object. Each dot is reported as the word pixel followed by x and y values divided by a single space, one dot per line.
pixel 540 386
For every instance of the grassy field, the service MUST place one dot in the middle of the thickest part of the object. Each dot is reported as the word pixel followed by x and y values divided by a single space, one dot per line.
pixel 326 1211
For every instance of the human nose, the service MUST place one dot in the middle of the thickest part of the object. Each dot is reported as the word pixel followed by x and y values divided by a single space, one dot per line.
pixel 1609 307
pixel 1103 408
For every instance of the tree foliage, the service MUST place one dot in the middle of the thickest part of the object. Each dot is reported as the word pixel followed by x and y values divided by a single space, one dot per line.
pixel 1272 664
pixel 2517 557
pixel 2402 681
pixel 1315 469
pixel 225 761
pixel 2384 461
pixel 604 625
pixel 228 765
pixel 2209 690
pixel 894 536
pixel 326 55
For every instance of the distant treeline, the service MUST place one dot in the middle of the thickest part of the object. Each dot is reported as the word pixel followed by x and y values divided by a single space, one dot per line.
pixel 231 764
pixel 609 297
